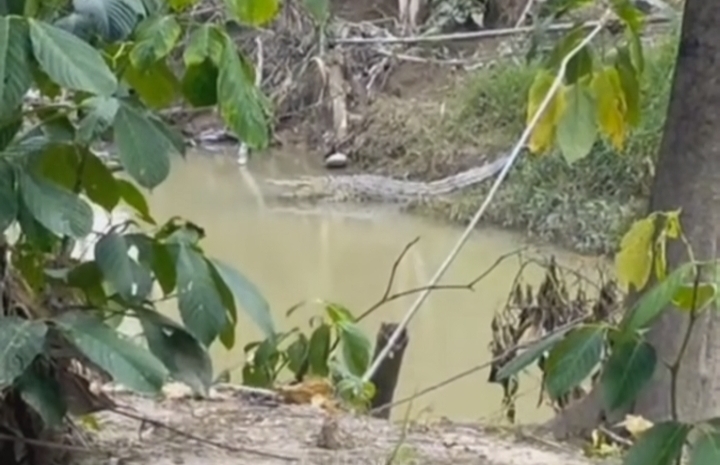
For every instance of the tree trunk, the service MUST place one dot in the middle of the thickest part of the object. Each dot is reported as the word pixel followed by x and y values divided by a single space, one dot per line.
pixel 687 177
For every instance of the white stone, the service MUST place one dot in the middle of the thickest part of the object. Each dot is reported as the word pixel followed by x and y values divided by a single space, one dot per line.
pixel 336 160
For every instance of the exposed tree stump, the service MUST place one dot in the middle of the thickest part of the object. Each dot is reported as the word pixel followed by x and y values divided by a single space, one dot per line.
pixel 386 377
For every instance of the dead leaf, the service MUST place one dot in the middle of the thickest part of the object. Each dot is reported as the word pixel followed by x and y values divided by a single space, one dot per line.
pixel 635 425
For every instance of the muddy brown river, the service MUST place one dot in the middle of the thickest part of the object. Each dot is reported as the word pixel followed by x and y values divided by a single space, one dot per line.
pixel 346 256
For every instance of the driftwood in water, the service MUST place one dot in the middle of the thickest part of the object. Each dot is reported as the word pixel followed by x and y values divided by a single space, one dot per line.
pixel 386 377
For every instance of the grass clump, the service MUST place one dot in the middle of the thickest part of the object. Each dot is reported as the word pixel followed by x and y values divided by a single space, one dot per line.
pixel 586 206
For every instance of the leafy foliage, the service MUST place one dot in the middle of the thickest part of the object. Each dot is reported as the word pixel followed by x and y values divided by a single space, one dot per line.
pixel 101 68
pixel 626 360
pixel 597 94
pixel 315 356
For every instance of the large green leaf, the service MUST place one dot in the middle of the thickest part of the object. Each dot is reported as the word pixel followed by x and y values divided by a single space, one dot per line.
pixel 20 342
pixel 99 183
pixel 200 304
pixel 356 347
pixel 577 130
pixel 8 196
pixel 156 37
pixel 113 19
pixel 135 199
pixel 629 368
pixel 206 42
pixel 128 363
pixel 57 209
pixel 69 61
pixel 156 257
pixel 529 355
pixel 706 449
pixel 253 12
pixel 100 115
pixel 248 296
pixel 297 353
pixel 573 359
pixel 181 353
pixel 43 394
pixel 9 127
pixel 130 280
pixel 319 350
pixel 15 77
pixel 630 85
pixel 660 445
pixel 199 84
pixel 156 84
pixel 654 301
pixel 144 151
pixel 240 105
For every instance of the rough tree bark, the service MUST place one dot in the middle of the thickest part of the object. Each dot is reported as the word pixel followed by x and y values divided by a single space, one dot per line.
pixel 687 177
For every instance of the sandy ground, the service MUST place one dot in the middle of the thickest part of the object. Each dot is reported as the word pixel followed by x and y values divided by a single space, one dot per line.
pixel 233 427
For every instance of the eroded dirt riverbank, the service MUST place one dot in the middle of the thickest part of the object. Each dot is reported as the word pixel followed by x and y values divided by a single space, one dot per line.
pixel 234 427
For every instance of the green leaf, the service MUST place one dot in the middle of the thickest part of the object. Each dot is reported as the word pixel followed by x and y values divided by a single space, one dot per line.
pixel 706 449
pixel 8 196
pixel 155 256
pixel 98 182
pixel 144 151
pixel 690 299
pixel 629 13
pixel 36 233
pixel 297 353
pixel 630 366
pixel 573 359
pixel 337 313
pixel 69 61
pixel 113 19
pixel 577 129
pixel 319 350
pixel 630 85
pixel 660 445
pixel 636 50
pixel 20 342
pixel 181 353
pixel 199 84
pixel 9 127
pixel 253 12
pixel 100 116
pixel 128 278
pixel 88 277
pixel 43 394
pixel 529 355
pixel 580 65
pixel 181 5
pixel 200 305
pixel 15 77
pixel 247 296
pixel 57 209
pixel 206 42
pixel 58 164
pixel 319 9
pixel 356 347
pixel 156 37
pixel 655 301
pixel 128 363
pixel 240 105
pixel 227 335
pixel 135 199
pixel 156 84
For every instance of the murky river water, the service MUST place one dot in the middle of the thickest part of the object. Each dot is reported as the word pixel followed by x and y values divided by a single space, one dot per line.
pixel 295 257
